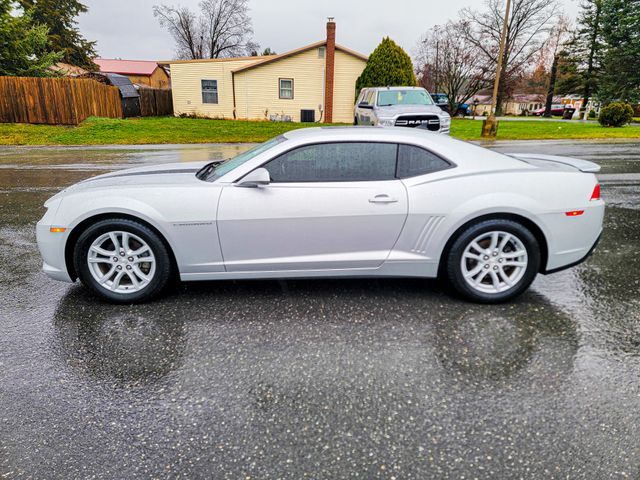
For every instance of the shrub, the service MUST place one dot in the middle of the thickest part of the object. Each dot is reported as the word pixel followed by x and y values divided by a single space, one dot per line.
pixel 616 114
pixel 592 114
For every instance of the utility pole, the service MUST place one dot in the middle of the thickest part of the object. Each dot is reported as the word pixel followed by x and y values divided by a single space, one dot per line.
pixel 490 125
pixel 437 75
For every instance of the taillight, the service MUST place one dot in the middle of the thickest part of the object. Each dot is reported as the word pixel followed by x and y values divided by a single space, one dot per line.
pixel 596 193
pixel 574 213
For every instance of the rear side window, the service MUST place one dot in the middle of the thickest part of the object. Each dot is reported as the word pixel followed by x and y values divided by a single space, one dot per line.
pixel 336 162
pixel 415 161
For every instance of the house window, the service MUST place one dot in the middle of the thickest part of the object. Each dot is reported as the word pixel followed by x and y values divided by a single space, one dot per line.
pixel 209 91
pixel 286 88
pixel 321 52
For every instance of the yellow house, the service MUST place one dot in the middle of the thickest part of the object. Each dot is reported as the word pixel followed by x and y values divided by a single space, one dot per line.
pixel 313 83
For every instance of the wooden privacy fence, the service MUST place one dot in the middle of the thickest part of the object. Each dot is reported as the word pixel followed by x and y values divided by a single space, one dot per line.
pixel 55 101
pixel 155 102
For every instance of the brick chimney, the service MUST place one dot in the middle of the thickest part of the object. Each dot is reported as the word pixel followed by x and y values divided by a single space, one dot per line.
pixel 329 70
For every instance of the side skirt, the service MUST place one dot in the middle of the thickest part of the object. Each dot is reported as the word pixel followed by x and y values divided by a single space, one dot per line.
pixel 388 269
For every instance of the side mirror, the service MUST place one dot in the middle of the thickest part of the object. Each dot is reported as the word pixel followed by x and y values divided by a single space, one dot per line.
pixel 259 177
pixel 365 106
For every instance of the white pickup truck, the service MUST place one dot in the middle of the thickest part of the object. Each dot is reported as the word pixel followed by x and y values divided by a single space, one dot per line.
pixel 400 107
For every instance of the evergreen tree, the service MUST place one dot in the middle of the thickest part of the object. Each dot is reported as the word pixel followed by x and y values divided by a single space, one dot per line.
pixel 570 76
pixel 388 66
pixel 621 77
pixel 60 18
pixel 23 46
pixel 585 51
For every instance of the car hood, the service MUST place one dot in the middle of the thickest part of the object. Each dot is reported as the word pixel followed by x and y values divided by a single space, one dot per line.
pixel 394 110
pixel 155 175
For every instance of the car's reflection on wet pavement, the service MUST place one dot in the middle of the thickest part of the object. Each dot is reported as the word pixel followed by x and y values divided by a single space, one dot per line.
pixel 316 379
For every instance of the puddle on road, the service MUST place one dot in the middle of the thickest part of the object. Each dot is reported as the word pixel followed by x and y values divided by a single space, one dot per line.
pixel 59 167
pixel 553 372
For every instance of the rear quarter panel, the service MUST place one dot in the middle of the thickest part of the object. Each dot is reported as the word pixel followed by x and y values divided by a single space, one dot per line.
pixel 438 207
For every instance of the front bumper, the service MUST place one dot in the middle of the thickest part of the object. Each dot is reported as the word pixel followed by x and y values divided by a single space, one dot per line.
pixel 52 249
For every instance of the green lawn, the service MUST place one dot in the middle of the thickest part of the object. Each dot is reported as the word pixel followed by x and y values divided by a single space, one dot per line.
pixel 100 131
pixel 545 130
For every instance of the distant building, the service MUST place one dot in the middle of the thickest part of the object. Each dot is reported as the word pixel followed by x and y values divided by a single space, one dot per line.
pixel 575 101
pixel 520 104
pixel 313 83
pixel 67 70
pixel 140 72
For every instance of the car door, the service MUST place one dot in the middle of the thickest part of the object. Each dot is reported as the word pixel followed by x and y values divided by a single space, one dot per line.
pixel 328 206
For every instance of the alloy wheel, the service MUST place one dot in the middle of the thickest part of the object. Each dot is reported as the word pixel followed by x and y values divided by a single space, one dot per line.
pixel 494 262
pixel 121 262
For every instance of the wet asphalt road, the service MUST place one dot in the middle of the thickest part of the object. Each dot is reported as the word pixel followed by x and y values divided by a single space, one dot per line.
pixel 317 379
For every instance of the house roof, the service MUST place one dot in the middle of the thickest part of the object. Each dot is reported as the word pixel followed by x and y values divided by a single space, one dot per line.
pixel 214 60
pixel 482 99
pixel 67 69
pixel 264 59
pixel 275 58
pixel 126 67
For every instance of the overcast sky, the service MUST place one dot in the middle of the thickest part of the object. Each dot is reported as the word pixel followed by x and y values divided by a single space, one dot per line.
pixel 128 29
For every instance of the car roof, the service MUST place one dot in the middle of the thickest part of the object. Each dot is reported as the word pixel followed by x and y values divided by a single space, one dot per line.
pixel 395 88
pixel 367 133
pixel 456 151
pixel 355 132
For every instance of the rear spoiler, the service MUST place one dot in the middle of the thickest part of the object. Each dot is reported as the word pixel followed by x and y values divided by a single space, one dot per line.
pixel 582 165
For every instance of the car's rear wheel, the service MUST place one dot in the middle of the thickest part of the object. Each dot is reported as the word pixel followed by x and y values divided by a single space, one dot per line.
pixel 122 260
pixel 493 261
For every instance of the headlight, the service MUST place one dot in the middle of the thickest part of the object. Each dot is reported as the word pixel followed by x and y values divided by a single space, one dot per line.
pixel 445 120
pixel 386 122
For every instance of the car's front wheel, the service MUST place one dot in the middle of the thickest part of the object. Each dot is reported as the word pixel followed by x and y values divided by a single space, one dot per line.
pixel 122 260
pixel 493 261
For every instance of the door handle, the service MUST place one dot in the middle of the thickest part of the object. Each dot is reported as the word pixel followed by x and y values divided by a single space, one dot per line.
pixel 383 199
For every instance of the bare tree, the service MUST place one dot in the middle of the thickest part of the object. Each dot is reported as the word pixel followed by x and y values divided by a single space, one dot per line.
pixel 185 28
pixel 528 23
pixel 221 29
pixel 450 62
pixel 552 48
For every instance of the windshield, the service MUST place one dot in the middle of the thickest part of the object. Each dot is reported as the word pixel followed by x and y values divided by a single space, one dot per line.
pixel 387 98
pixel 215 170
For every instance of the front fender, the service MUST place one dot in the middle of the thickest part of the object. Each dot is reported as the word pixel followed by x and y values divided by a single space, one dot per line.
pixel 188 225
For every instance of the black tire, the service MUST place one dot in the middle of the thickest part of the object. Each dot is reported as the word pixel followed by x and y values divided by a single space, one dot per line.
pixel 163 262
pixel 453 270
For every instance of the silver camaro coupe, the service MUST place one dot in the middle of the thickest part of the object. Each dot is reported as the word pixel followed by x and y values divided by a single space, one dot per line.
pixel 329 202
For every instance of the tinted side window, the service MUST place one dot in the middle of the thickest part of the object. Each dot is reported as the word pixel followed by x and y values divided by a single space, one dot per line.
pixel 370 96
pixel 414 161
pixel 336 162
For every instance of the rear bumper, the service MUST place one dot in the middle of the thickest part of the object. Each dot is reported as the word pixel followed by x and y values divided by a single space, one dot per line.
pixel 578 262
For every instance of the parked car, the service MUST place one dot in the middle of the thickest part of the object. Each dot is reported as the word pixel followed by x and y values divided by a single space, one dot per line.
pixel 442 100
pixel 556 110
pixel 400 107
pixel 329 202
